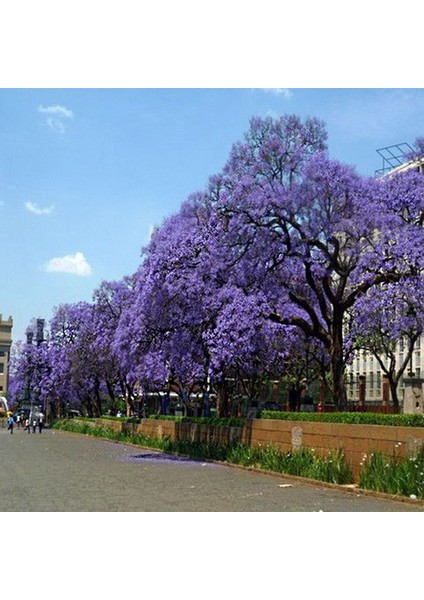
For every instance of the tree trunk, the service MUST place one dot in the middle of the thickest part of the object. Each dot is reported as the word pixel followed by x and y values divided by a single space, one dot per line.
pixel 97 399
pixel 222 400
pixel 111 392
pixel 337 370
pixel 129 406
pixel 394 394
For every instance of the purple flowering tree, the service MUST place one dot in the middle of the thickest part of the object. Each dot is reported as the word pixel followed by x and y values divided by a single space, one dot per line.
pixel 245 347
pixel 74 361
pixel 387 323
pixel 110 300
pixel 278 251
pixel 30 369
pixel 161 336
pixel 311 233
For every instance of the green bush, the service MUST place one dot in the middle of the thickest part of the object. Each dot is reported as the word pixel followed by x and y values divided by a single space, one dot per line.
pixel 355 418
pixel 348 418
pixel 121 419
pixel 166 418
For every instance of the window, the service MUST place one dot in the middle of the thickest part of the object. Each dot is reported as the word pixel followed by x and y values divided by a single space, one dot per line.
pixel 371 384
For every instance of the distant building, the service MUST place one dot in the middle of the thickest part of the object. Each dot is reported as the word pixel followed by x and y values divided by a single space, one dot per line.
pixel 5 344
pixel 395 160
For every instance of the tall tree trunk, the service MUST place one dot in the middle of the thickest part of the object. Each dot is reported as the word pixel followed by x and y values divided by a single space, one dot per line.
pixel 111 392
pixel 98 400
pixel 393 384
pixel 129 406
pixel 338 368
pixel 222 399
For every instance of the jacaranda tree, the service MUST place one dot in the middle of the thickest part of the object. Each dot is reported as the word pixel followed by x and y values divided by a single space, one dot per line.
pixel 265 267
pixel 310 232
pixel 387 323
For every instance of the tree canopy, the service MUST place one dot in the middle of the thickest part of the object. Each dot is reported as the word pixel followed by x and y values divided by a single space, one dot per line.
pixel 284 247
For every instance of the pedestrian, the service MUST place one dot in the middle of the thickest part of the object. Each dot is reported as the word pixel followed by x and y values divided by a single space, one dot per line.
pixel 27 425
pixel 18 421
pixel 34 425
pixel 293 398
pixel 40 421
pixel 10 423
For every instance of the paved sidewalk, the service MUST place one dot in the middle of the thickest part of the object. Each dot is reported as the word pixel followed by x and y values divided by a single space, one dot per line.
pixel 59 471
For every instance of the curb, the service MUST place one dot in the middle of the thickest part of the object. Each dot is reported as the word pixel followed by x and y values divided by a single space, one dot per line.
pixel 350 488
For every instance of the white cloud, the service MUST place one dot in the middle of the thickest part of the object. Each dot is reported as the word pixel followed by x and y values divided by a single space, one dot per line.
pixel 56 109
pixel 284 92
pixel 38 210
pixel 56 125
pixel 56 116
pixel 74 264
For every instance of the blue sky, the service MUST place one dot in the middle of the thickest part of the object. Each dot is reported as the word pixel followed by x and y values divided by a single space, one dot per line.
pixel 86 173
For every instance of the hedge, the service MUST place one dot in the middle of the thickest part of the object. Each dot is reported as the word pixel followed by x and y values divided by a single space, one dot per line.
pixel 349 418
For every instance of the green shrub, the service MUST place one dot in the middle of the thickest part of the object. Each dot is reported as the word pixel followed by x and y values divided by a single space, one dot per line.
pixel 348 418
pixel 166 417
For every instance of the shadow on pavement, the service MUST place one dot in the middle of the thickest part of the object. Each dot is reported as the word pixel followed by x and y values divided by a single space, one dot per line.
pixel 163 457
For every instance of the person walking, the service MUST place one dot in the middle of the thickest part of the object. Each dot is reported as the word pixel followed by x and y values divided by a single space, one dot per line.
pixel 10 423
pixel 40 421
pixel 18 421
pixel 27 425
pixel 34 425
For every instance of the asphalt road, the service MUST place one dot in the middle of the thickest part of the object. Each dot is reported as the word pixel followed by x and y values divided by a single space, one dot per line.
pixel 59 471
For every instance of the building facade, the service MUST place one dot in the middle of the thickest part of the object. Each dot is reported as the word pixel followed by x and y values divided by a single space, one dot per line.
pixel 365 366
pixel 5 344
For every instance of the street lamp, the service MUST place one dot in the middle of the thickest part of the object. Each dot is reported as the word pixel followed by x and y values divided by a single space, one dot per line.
pixel 40 340
pixel 39 337
pixel 28 395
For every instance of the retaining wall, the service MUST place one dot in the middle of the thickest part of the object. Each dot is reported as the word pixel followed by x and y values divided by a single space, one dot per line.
pixel 354 440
